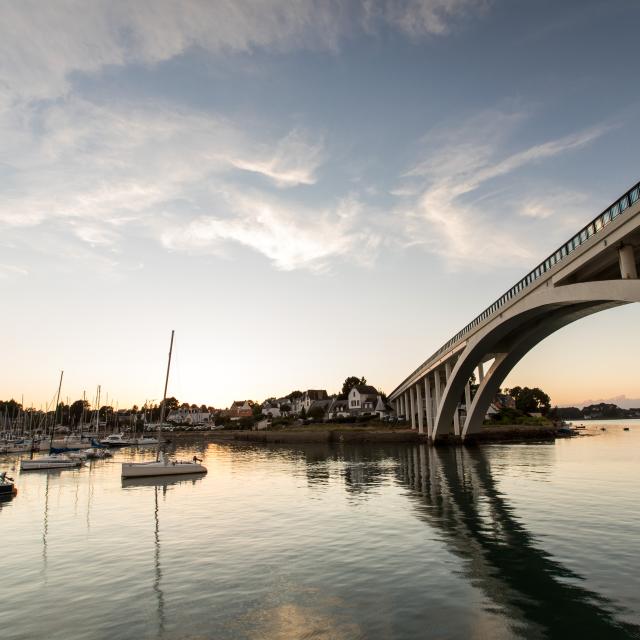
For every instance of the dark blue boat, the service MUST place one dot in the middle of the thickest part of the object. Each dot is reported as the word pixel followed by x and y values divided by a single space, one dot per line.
pixel 7 488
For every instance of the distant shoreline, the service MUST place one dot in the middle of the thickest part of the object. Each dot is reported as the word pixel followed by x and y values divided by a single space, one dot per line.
pixel 502 433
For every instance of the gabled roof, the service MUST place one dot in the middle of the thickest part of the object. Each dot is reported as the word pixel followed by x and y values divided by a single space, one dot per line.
pixel 366 389
pixel 316 394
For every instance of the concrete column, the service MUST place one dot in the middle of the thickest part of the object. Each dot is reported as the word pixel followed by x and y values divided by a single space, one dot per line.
pixel 420 407
pixel 447 371
pixel 467 396
pixel 438 388
pixel 406 405
pixel 401 401
pixel 627 259
pixel 413 407
pixel 481 372
pixel 456 421
pixel 429 405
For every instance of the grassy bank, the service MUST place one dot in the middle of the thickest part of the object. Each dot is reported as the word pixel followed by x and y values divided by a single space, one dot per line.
pixel 377 432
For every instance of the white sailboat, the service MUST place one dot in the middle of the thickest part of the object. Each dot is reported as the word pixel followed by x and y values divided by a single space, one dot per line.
pixel 162 465
pixel 54 461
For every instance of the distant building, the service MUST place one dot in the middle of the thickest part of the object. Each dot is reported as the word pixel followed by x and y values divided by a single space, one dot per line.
pixel 305 400
pixel 240 409
pixel 271 409
pixel 188 416
pixel 363 399
pixel 338 408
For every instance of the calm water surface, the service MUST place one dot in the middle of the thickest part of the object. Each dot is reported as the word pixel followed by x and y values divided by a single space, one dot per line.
pixel 500 541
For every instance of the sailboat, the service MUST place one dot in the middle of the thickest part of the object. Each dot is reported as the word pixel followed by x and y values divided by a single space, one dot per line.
pixel 53 461
pixel 162 465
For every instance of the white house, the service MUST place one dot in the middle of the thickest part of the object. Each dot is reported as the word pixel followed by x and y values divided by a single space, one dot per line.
pixel 363 399
pixel 188 416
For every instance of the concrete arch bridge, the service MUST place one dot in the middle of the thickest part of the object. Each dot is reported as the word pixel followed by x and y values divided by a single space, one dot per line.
pixel 595 270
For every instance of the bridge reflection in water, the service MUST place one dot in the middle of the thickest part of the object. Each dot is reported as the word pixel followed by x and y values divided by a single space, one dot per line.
pixel 456 494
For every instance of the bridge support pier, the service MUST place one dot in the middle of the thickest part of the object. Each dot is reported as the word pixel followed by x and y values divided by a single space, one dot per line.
pixel 412 407
pixel 627 258
pixel 428 401
pixel 420 408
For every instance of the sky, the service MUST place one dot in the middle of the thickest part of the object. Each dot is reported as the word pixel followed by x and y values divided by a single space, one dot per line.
pixel 304 190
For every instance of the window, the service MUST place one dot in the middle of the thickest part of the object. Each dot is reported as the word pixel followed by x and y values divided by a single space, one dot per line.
pixel 614 211
pixel 634 195
pixel 624 203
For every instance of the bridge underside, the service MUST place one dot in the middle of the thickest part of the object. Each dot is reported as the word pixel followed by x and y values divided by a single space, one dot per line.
pixel 442 403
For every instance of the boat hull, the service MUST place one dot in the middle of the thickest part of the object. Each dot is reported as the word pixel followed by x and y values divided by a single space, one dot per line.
pixel 151 469
pixel 34 465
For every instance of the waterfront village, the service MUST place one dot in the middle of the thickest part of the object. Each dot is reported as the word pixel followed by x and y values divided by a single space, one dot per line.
pixel 358 403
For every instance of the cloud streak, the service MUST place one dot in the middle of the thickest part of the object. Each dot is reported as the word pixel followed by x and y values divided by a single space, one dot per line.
pixel 291 237
pixel 447 207
pixel 43 44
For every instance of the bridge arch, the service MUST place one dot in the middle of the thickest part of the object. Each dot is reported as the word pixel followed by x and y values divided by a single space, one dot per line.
pixel 511 335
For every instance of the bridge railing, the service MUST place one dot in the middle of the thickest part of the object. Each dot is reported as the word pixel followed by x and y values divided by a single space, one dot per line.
pixel 593 228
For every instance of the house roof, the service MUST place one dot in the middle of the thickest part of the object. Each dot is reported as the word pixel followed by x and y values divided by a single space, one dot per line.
pixel 316 394
pixel 366 388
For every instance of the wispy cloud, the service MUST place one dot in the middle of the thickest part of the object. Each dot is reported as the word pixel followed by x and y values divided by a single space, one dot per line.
pixel 420 17
pixel 292 237
pixel 446 207
pixel 99 167
pixel 293 161
pixel 11 270
pixel 43 43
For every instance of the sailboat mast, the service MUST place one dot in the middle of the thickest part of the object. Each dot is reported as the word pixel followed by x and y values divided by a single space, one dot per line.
pixel 55 413
pixel 164 395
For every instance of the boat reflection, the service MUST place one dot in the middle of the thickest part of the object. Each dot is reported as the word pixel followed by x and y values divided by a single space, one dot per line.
pixel 161 481
pixel 457 495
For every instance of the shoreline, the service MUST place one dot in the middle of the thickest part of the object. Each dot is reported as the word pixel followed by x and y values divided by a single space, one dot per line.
pixel 503 433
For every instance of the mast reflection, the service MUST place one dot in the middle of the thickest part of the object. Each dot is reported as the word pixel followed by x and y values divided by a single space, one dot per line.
pixel 159 484
pixel 156 558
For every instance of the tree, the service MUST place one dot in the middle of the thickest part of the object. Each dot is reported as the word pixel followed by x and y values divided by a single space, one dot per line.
pixel 77 409
pixel 303 413
pixel 171 405
pixel 352 381
pixel 316 412
pixel 531 400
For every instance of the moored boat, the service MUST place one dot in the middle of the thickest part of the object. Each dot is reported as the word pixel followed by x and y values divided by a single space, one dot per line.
pixel 7 488
pixel 98 453
pixel 162 467
pixel 118 440
pixel 49 462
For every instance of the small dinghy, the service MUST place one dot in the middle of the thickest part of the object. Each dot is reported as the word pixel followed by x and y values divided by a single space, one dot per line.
pixel 98 453
pixel 7 488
